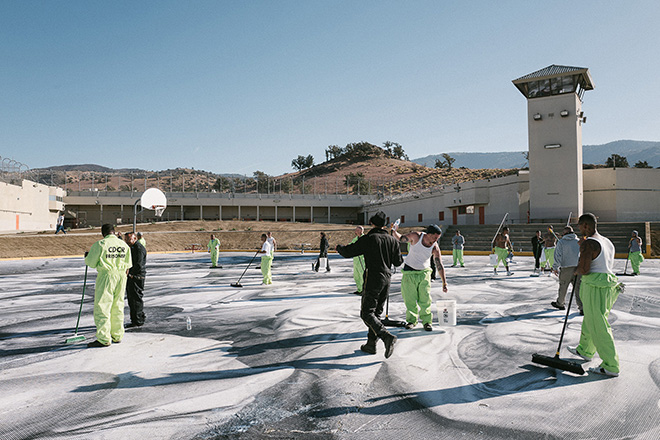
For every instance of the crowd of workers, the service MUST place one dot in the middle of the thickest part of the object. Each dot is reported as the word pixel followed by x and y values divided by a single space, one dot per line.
pixel 585 263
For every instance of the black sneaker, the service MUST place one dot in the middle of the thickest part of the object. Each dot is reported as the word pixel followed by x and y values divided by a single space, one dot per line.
pixel 97 344
pixel 389 340
pixel 371 349
pixel 428 327
pixel 556 305
pixel 409 325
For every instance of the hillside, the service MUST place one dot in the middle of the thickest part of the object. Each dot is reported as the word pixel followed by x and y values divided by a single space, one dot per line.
pixel 367 170
pixel 634 151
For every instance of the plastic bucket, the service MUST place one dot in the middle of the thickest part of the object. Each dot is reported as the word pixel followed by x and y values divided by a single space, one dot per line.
pixel 446 312
pixel 493 259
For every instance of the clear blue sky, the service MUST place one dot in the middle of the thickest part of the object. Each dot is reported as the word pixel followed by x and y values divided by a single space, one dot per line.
pixel 239 86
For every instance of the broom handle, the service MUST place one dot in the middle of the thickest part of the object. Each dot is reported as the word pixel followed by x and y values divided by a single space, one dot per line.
pixel 492 242
pixel 568 310
pixel 81 300
pixel 246 267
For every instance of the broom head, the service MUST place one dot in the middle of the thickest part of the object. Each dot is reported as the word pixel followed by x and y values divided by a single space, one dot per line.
pixel 559 364
pixel 74 339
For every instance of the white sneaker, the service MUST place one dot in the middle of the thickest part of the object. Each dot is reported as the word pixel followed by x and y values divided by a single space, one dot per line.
pixel 603 371
pixel 573 350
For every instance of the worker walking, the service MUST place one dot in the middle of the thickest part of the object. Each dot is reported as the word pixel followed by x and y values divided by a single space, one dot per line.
pixel 635 252
pixel 111 257
pixel 458 242
pixel 214 248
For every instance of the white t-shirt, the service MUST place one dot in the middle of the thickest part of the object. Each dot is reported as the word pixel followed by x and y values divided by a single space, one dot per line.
pixel 268 248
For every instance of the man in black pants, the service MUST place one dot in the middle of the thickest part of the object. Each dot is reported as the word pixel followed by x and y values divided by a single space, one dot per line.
pixel 537 248
pixel 323 253
pixel 381 251
pixel 135 281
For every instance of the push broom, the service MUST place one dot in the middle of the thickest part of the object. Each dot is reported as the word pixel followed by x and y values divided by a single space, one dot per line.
pixel 76 337
pixel 555 362
pixel 238 283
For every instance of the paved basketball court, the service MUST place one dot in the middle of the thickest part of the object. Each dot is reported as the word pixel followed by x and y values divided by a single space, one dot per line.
pixel 283 361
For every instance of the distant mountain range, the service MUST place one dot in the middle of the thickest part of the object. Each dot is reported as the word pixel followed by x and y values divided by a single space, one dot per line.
pixel 634 151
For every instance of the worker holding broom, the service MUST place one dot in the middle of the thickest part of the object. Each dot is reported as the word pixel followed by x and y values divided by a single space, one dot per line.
pixel 501 247
pixel 599 289
pixel 111 257
pixel 266 259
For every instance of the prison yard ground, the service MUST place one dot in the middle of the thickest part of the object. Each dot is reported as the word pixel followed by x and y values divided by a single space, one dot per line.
pixel 283 361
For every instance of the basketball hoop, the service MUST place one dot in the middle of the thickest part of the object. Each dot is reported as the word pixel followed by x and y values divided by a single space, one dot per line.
pixel 152 199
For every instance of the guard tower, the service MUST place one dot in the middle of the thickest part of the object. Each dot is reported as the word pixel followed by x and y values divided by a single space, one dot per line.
pixel 555 118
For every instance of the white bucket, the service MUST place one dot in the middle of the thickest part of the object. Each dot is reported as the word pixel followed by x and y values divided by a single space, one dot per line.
pixel 493 259
pixel 447 312
pixel 323 263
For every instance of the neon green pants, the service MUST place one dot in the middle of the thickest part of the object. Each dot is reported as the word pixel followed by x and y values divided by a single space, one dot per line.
pixel 636 258
pixel 214 257
pixel 109 293
pixel 598 292
pixel 266 262
pixel 416 289
pixel 458 256
pixel 549 256
pixel 501 253
pixel 358 272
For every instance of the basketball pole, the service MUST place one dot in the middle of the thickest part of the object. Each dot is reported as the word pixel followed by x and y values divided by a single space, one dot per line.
pixel 135 213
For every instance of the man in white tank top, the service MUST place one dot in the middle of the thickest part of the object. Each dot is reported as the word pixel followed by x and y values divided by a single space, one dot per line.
pixel 416 278
pixel 599 289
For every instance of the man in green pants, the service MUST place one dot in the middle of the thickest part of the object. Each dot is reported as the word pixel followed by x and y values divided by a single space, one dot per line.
pixel 266 259
pixel 111 257
pixel 635 252
pixel 214 248
pixel 416 278
pixel 501 247
pixel 599 289
pixel 457 241
pixel 358 263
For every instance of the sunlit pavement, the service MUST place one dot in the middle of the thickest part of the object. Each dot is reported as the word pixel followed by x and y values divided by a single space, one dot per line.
pixel 283 361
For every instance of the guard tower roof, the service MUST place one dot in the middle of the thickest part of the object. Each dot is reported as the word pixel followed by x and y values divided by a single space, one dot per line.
pixel 555 80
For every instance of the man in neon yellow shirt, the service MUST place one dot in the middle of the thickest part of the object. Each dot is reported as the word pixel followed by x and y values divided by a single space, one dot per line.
pixel 214 248
pixel 111 257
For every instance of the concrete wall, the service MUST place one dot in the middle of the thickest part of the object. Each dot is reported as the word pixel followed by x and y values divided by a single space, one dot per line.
pixel 29 207
pixel 557 184
pixel 623 194
pixel 96 207
pixel 498 196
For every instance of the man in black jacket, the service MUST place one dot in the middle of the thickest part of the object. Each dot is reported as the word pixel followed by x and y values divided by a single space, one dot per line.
pixel 323 253
pixel 135 281
pixel 537 248
pixel 381 251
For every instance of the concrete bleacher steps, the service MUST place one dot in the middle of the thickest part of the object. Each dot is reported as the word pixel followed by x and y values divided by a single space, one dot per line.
pixel 478 237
